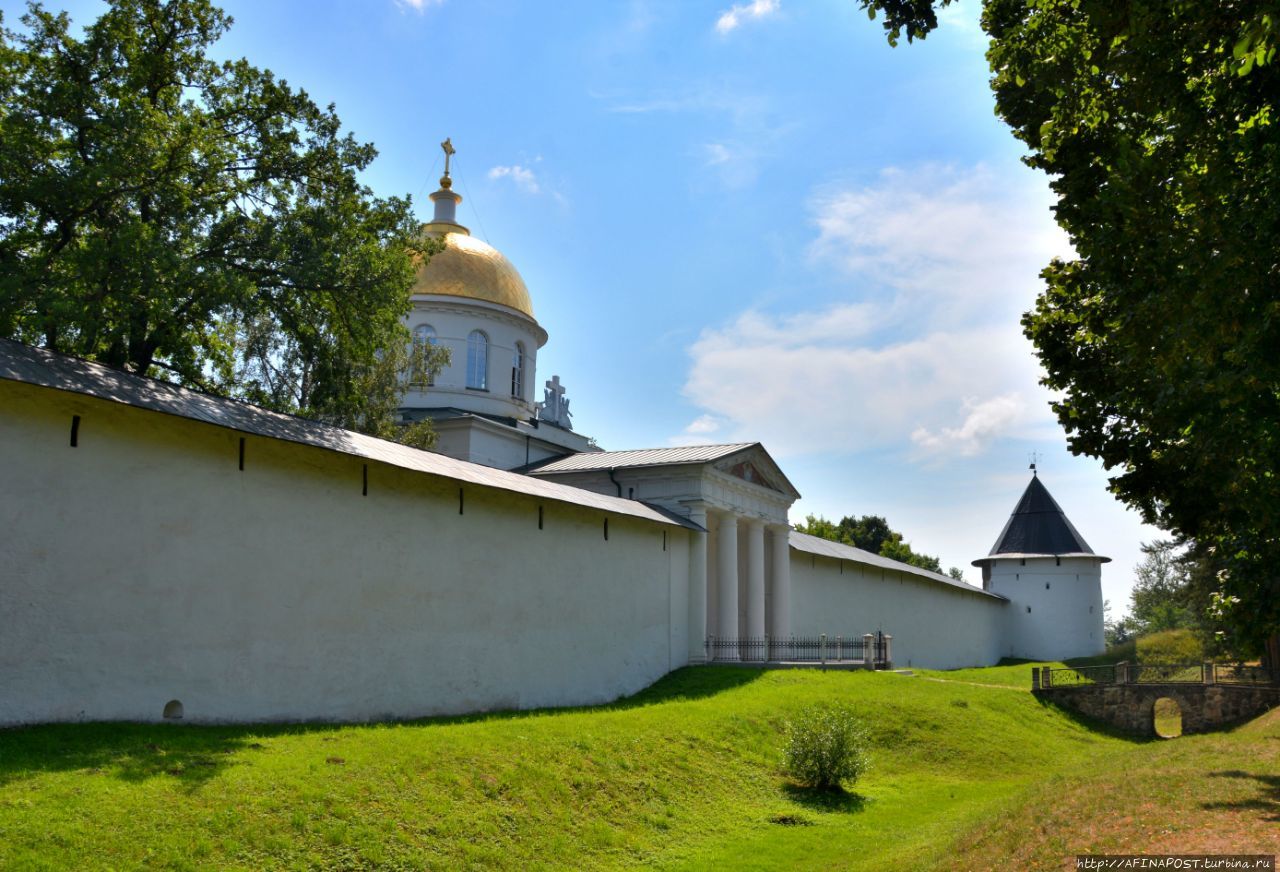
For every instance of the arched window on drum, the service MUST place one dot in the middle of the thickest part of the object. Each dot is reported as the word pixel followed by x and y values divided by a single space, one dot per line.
pixel 517 371
pixel 478 361
pixel 424 336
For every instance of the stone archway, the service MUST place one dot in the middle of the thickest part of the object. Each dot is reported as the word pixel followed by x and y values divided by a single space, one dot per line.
pixel 1131 707
pixel 1166 720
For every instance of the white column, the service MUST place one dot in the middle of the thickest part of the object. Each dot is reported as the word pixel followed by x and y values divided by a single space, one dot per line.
pixel 780 625
pixel 727 583
pixel 698 587
pixel 755 583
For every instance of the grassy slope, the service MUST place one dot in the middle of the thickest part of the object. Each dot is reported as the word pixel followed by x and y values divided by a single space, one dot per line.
pixel 1014 675
pixel 683 775
pixel 1213 794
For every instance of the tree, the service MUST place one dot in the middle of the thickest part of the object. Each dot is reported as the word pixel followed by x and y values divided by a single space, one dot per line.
pixel 169 215
pixel 1158 127
pixel 1158 600
pixel 873 533
pixel 1115 632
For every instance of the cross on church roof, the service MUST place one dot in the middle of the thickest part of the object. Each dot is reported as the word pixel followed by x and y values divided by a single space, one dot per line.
pixel 555 408
pixel 449 151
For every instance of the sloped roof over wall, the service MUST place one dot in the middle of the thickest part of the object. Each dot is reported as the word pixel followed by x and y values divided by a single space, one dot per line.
pixel 34 366
pixel 597 461
pixel 644 458
pixel 1039 528
pixel 839 551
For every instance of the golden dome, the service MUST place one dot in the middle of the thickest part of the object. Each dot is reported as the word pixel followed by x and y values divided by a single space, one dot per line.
pixel 473 269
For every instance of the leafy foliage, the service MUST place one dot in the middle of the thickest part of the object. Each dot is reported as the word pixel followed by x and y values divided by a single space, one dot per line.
pixel 826 746
pixel 1162 334
pixel 170 215
pixel 873 533
pixel 1157 125
pixel 916 17
pixel 1159 599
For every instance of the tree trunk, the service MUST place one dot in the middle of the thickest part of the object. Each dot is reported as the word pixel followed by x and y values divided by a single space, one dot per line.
pixel 1271 657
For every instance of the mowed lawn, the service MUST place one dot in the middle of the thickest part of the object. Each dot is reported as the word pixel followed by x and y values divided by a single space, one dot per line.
pixel 684 775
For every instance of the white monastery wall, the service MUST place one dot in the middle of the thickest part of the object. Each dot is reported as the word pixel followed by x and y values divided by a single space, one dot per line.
pixel 933 625
pixel 143 566
pixel 1055 609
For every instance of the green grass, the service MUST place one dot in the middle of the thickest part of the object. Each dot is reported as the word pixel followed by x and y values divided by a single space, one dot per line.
pixel 1217 793
pixel 1168 718
pixel 684 775
pixel 1010 673
pixel 966 774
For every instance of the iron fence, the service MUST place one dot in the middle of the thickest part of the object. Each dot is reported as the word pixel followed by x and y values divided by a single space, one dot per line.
pixel 1166 673
pixel 1238 673
pixel 805 649
pixel 1072 676
pixel 1152 673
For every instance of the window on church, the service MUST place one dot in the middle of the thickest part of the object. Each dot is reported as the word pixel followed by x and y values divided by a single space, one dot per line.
pixel 424 335
pixel 517 371
pixel 478 361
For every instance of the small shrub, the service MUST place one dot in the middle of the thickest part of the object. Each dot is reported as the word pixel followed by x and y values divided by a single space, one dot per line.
pixel 1170 646
pixel 826 746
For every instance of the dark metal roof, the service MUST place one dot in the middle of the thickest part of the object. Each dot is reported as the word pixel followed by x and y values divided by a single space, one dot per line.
pixel 1039 528
pixel 35 366
pixel 839 551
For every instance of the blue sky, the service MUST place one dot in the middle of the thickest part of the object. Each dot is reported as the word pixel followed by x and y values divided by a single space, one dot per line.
pixel 738 221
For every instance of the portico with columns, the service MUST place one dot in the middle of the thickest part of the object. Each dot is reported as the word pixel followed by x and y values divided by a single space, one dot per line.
pixel 740 568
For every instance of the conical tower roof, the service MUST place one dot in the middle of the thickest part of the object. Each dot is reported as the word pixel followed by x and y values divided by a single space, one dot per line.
pixel 1038 527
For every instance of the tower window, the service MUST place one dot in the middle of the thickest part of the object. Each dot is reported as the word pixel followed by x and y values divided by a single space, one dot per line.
pixel 478 361
pixel 517 371
pixel 424 336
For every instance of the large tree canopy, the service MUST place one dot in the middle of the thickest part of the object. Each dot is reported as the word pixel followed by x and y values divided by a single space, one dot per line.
pixel 171 215
pixel 1159 128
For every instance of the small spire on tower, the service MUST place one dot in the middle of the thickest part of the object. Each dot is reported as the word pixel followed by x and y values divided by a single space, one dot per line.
pixel 446 201
pixel 1035 456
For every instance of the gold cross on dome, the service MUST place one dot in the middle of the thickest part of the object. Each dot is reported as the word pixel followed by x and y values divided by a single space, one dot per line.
pixel 449 151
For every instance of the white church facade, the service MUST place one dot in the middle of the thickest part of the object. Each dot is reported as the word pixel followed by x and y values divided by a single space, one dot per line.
pixel 171 554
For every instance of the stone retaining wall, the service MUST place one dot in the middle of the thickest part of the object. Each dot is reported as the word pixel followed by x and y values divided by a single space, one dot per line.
pixel 1131 707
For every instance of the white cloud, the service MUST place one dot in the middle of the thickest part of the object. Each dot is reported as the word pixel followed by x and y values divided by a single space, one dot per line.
pixel 717 153
pixel 733 17
pixel 702 426
pixel 986 421
pixel 957 242
pixel 418 5
pixel 523 177
pixel 701 431
pixel 736 164
pixel 800 386
pixel 926 355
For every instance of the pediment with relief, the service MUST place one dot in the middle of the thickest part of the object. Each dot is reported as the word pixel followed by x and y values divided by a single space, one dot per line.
pixel 758 469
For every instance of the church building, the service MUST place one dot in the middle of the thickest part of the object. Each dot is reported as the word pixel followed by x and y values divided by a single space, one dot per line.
pixel 170 554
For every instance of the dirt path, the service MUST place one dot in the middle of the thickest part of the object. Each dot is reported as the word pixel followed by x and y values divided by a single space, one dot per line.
pixel 970 683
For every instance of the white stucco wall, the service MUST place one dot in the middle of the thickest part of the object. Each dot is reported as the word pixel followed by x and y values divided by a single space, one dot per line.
pixel 1055 610
pixel 933 625
pixel 143 566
